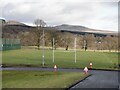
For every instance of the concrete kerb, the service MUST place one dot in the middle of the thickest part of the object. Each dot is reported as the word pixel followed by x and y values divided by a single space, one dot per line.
pixel 30 66
pixel 77 82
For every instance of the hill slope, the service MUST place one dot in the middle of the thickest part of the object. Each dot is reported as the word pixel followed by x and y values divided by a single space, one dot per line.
pixel 14 26
pixel 82 29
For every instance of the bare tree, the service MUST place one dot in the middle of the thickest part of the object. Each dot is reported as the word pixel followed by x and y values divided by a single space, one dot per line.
pixel 39 25
pixel 67 40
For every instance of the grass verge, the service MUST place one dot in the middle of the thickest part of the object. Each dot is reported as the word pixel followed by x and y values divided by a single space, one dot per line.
pixel 40 79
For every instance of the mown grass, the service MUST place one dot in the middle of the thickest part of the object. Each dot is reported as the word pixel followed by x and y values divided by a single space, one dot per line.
pixel 40 79
pixel 32 57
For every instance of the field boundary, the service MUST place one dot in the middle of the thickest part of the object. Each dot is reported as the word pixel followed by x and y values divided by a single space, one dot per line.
pixel 34 66
pixel 27 66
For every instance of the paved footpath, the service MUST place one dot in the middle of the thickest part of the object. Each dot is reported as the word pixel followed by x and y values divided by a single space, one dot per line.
pixel 98 79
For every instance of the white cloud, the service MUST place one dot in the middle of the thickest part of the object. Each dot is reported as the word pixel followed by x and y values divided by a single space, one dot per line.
pixel 99 14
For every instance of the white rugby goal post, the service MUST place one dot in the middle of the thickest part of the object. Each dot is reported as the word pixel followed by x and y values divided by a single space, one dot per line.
pixel 53 60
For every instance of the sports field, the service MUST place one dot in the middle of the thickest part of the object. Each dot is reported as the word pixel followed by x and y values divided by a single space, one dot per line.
pixel 63 59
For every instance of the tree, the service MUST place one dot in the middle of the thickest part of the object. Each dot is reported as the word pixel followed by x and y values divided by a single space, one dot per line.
pixel 66 40
pixel 85 42
pixel 39 25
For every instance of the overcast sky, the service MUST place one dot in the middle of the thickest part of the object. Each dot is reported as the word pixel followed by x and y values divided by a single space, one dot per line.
pixel 96 14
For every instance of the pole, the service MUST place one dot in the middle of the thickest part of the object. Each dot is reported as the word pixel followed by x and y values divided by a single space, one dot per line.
pixel 53 50
pixel 84 45
pixel 43 50
pixel 75 49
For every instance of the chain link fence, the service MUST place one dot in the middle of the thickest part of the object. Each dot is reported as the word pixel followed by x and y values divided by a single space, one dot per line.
pixel 10 44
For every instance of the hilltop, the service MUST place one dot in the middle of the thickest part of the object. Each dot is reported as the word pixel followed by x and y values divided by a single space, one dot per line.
pixel 13 26
pixel 83 30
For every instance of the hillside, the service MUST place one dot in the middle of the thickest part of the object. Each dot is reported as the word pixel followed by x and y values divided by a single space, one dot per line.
pixel 12 22
pixel 83 30
pixel 64 35
pixel 14 27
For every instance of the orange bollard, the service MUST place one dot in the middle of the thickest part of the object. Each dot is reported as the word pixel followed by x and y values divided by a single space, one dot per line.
pixel 85 70
pixel 90 65
pixel 55 68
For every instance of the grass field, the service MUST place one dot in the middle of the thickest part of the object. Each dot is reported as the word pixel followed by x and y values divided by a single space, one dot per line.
pixel 40 79
pixel 32 57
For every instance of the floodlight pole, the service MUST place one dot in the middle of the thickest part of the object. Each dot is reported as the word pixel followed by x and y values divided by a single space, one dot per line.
pixel 43 50
pixel 53 50
pixel 75 49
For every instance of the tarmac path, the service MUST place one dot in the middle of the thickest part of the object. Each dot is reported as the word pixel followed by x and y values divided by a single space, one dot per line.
pixel 100 79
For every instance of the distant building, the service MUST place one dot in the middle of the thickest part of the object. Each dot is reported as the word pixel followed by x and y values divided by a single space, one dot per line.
pixel 2 21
